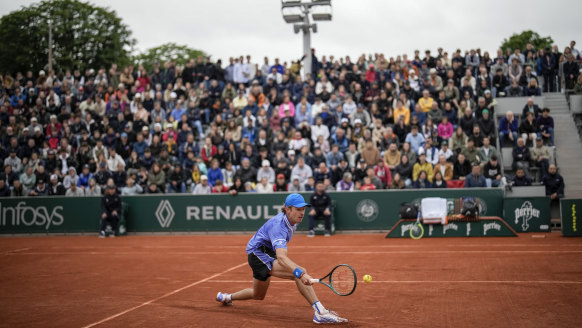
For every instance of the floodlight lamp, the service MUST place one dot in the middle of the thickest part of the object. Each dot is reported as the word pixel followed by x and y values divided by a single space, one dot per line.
pixel 293 18
pixel 321 17
pixel 292 14
pixel 321 11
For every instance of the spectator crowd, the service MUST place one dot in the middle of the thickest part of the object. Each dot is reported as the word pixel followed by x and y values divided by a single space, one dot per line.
pixel 376 123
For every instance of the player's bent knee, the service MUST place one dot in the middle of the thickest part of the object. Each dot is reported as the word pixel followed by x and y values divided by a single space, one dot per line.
pixel 259 297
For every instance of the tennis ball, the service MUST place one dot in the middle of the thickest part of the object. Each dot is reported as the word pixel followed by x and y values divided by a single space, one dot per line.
pixel 367 278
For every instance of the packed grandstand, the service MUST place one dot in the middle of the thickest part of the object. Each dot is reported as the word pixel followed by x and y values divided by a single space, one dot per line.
pixel 427 121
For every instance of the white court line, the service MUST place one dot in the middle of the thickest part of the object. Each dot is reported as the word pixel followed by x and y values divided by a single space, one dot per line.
pixel 431 281
pixel 164 296
pixel 327 252
pixel 16 250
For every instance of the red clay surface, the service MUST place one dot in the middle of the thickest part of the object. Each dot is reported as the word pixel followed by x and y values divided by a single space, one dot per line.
pixel 164 281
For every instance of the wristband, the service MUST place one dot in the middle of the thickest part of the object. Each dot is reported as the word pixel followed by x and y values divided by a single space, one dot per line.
pixel 298 273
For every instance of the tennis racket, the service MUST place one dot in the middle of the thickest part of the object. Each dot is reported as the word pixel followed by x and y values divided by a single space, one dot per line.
pixel 342 280
pixel 417 230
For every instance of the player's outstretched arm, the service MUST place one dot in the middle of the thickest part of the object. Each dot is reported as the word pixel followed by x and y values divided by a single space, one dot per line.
pixel 285 268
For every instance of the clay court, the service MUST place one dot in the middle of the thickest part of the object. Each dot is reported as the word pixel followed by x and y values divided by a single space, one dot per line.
pixel 171 281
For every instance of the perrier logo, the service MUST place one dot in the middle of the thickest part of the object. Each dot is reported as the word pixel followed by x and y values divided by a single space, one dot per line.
pixel 525 213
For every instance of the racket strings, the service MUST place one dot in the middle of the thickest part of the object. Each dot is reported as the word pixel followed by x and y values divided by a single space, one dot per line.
pixel 417 231
pixel 343 280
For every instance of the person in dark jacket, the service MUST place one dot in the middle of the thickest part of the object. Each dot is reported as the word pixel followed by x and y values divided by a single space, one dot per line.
pixel 102 175
pixel 64 157
pixel 554 183
pixel 4 189
pixel 337 174
pixel 8 175
pixel 571 71
pixel 110 210
pixel 548 63
pixel 492 173
pixel 530 107
pixel 280 183
pixel 528 129
pixel 521 179
pixel 40 189
pixel 404 169
pixel 467 121
pixel 521 156
pixel 508 128
pixel 177 180
pixel 360 170
pixel 246 171
pixel 279 144
pixel 461 168
pixel 56 188
pixel 475 179
pixel 322 172
pixel 487 126
pixel 500 83
pixel 320 209
pixel 422 181
pixel 237 187
pixel 17 189
pixel 545 125
pixel 438 181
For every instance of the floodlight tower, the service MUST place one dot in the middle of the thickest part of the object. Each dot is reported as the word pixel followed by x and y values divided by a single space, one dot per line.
pixel 297 12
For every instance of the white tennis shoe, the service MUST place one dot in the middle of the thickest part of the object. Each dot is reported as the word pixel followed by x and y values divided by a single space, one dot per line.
pixel 223 298
pixel 328 317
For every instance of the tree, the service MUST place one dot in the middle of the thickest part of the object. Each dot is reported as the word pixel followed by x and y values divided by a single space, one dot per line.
pixel 83 36
pixel 166 52
pixel 519 41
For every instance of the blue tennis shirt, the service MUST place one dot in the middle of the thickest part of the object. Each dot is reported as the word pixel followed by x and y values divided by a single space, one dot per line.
pixel 276 233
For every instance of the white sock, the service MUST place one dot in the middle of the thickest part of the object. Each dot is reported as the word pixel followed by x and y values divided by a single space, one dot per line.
pixel 318 307
pixel 228 298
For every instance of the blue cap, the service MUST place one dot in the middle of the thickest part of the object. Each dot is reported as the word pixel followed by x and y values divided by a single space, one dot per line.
pixel 296 200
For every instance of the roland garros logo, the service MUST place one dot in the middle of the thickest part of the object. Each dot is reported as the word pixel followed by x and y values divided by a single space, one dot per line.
pixel 367 210
pixel 165 213
pixel 525 213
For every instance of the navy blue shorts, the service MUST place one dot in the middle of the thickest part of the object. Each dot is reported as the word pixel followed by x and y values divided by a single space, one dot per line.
pixel 261 262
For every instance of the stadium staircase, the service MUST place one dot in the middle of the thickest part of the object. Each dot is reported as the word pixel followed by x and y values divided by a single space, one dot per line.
pixel 568 144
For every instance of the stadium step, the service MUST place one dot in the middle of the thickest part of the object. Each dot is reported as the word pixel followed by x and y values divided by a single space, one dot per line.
pixel 568 144
pixel 555 101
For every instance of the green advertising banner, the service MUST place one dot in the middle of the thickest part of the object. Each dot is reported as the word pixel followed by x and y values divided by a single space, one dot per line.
pixel 367 210
pixel 569 212
pixel 530 214
pixel 358 210
pixel 49 214
pixel 378 210
pixel 481 228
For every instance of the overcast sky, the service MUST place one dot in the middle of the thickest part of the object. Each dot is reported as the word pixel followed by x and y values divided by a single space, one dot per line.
pixel 233 27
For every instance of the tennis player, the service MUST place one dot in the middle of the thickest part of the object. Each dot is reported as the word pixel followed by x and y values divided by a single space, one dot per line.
pixel 267 256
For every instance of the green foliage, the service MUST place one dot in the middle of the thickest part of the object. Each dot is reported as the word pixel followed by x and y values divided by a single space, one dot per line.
pixel 166 52
pixel 519 41
pixel 84 36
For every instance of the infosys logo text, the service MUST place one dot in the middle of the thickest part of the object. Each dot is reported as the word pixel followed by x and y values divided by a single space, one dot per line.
pixel 24 215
